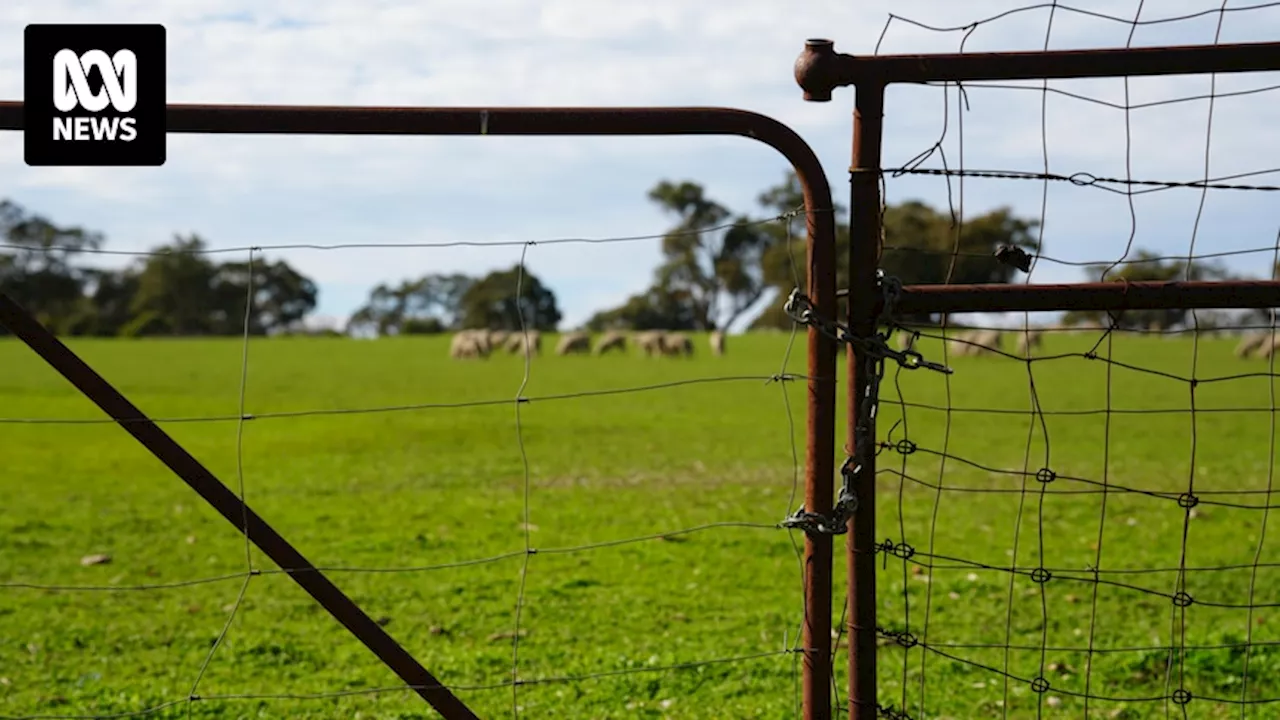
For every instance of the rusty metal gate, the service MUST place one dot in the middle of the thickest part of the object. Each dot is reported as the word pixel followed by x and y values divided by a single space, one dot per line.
pixel 819 70
pixel 821 415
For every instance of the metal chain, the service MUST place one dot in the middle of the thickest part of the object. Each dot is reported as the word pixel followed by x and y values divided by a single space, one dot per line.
pixel 874 350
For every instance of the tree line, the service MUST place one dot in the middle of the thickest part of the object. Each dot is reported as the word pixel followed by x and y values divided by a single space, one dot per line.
pixel 717 266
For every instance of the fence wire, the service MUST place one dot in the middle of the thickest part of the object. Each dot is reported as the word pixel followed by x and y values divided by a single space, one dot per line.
pixel 513 681
pixel 1054 625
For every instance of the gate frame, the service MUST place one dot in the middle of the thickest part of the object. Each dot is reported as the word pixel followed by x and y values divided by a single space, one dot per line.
pixel 587 121
pixel 818 71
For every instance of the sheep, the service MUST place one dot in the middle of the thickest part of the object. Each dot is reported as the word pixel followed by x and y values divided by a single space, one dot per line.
pixel 612 341
pixel 1251 344
pixel 985 341
pixel 650 342
pixel 716 340
pixel 959 344
pixel 467 344
pixel 529 341
pixel 1027 340
pixel 677 344
pixel 498 338
pixel 1269 346
pixel 574 342
pixel 481 339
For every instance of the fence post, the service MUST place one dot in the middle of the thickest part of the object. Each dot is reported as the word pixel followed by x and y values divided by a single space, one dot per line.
pixel 864 299
pixel 819 70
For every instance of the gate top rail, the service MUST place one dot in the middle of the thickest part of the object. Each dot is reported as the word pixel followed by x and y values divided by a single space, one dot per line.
pixel 512 121
pixel 477 120
pixel 820 69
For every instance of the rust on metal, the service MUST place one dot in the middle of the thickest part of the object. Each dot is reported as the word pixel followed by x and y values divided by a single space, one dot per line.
pixel 1110 296
pixel 820 222
pixel 863 308
pixel 319 120
pixel 820 69
pixel 200 479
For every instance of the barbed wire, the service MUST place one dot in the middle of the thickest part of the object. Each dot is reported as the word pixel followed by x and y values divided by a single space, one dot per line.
pixel 1151 260
pixel 1085 179
pixel 1043 524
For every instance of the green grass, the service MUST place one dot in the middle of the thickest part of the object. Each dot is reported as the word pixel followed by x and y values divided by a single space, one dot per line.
pixel 441 485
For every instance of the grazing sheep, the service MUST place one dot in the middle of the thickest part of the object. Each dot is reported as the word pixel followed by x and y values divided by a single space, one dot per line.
pixel 498 338
pixel 575 342
pixel 481 339
pixel 906 340
pixel 985 341
pixel 612 341
pixel 650 342
pixel 1269 346
pixel 467 344
pixel 677 344
pixel 530 342
pixel 716 340
pixel 1027 340
pixel 1252 344
pixel 958 345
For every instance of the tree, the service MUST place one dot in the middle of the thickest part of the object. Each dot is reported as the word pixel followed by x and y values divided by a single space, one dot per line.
pixel 658 308
pixel 282 297
pixel 175 293
pixel 1149 267
pixel 491 302
pixel 104 310
pixel 36 270
pixel 712 263
pixel 920 247
pixel 784 263
pixel 428 304
pixel 178 290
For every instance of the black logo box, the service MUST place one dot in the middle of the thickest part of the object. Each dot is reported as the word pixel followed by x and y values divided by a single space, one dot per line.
pixel 41 43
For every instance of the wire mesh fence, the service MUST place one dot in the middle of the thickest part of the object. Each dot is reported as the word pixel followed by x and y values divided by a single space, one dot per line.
pixel 1072 518
pixel 538 549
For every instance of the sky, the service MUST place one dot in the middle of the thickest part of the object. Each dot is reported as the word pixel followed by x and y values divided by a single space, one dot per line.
pixel 239 191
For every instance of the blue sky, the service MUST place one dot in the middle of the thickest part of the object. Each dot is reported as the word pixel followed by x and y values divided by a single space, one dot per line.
pixel 241 191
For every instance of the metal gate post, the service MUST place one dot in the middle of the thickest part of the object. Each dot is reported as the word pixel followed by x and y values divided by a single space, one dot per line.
pixel 864 301
pixel 819 70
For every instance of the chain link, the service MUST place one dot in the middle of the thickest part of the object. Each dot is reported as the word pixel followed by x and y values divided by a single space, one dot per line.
pixel 874 350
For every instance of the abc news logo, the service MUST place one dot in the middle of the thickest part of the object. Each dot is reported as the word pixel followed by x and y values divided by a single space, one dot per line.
pixel 95 95
pixel 71 90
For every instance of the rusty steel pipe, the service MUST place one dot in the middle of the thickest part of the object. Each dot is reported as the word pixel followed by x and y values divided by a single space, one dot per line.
pixel 1110 296
pixel 206 485
pixel 820 223
pixel 864 299
pixel 820 69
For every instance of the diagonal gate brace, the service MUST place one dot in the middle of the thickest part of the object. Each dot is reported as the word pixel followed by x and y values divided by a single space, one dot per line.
pixel 193 473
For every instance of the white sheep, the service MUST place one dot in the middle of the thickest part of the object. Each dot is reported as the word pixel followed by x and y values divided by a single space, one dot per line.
pixel 573 343
pixel 650 341
pixel 677 344
pixel 716 340
pixel 612 341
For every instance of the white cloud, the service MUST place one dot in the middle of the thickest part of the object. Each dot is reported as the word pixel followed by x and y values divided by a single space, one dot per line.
pixel 264 190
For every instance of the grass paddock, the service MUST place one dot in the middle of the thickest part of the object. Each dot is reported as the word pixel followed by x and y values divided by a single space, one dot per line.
pixel 419 514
